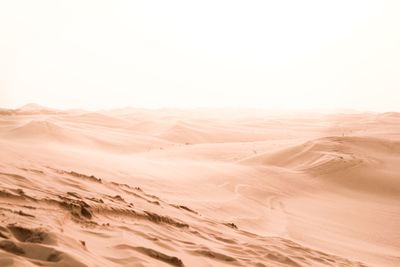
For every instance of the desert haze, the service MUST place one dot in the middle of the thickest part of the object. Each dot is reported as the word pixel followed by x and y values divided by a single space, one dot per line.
pixel 198 187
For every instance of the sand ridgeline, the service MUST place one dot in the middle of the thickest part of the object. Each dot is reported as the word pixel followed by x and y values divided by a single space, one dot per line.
pixel 198 187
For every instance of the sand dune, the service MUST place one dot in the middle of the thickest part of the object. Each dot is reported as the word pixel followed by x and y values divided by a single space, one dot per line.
pixel 329 153
pixel 359 163
pixel 98 119
pixel 83 130
pixel 132 187
pixel 42 129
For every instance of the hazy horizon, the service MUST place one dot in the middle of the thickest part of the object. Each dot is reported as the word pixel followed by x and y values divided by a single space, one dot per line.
pixel 286 55
pixel 227 109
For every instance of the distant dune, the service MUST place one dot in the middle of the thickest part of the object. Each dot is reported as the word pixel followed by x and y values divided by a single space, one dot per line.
pixel 29 109
pixel 97 119
pixel 40 129
pixel 133 187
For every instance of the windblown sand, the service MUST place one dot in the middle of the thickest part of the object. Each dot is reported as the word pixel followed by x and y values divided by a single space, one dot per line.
pixel 133 187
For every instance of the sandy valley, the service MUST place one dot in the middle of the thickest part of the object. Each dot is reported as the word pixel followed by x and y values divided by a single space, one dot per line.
pixel 198 187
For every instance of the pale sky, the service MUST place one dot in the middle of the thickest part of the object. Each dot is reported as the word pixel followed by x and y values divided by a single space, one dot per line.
pixel 259 54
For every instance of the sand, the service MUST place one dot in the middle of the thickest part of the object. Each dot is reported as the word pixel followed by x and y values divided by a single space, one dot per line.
pixel 199 187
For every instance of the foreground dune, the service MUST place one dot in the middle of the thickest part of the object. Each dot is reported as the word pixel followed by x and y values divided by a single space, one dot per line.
pixel 134 187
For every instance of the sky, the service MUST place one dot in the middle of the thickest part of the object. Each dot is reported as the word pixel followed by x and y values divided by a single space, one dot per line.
pixel 259 54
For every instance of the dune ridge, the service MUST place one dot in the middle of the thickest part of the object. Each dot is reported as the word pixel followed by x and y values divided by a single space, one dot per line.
pixel 357 159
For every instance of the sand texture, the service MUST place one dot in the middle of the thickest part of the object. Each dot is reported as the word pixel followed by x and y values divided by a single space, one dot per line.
pixel 132 187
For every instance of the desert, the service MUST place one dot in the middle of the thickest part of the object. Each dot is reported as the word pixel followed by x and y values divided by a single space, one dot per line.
pixel 200 133
pixel 176 187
